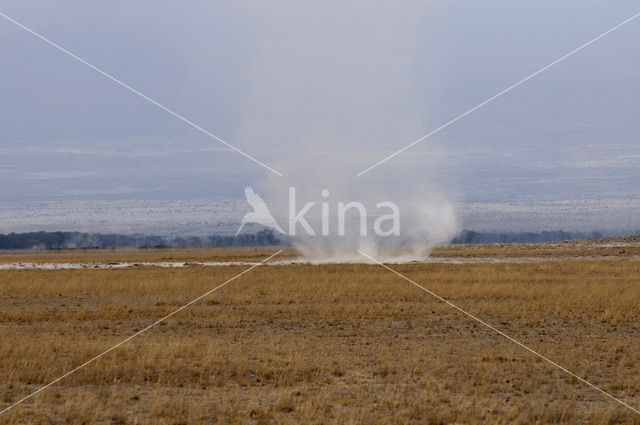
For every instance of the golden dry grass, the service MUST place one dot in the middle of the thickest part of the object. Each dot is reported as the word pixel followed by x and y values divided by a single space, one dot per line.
pixel 323 344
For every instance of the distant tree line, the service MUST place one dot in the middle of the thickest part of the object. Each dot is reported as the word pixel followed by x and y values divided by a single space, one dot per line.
pixel 472 237
pixel 64 240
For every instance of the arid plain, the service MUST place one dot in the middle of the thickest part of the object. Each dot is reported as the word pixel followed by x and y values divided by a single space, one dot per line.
pixel 324 343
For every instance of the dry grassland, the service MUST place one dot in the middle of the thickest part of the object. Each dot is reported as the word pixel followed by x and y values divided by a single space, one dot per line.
pixel 321 343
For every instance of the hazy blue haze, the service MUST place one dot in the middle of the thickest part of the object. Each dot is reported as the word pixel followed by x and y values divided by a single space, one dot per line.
pixel 347 80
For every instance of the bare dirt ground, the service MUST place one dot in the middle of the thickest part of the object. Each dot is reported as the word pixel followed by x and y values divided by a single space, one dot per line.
pixel 332 343
pixel 623 247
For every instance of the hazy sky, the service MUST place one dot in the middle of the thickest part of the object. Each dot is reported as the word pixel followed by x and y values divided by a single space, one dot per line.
pixel 310 87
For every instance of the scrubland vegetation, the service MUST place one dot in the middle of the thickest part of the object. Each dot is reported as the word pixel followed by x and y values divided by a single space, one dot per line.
pixel 301 343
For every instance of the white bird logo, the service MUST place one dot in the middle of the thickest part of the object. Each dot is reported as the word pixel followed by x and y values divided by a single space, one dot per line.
pixel 260 214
